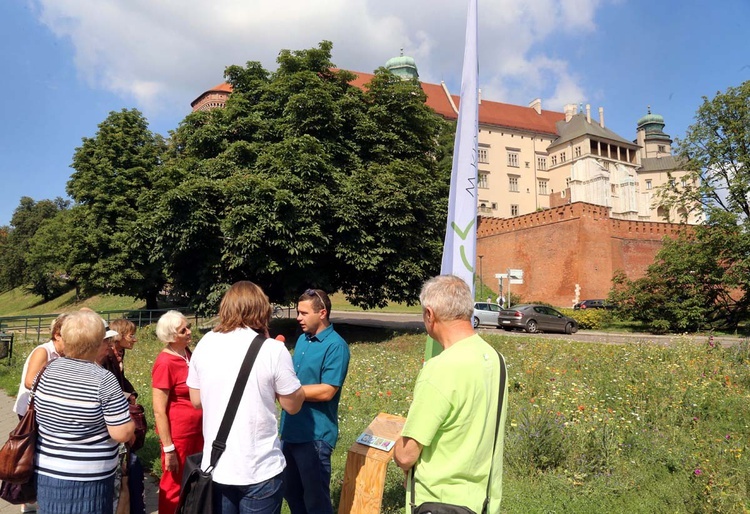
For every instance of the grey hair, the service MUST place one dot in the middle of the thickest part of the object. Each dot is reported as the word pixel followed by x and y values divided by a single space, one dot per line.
pixel 166 327
pixel 449 297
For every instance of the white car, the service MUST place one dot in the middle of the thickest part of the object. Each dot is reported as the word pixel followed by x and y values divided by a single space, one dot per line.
pixel 486 314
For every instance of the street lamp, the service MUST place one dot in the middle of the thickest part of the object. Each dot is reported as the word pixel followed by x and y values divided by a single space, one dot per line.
pixel 481 284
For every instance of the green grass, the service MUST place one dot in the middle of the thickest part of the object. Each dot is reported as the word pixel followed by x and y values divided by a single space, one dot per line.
pixel 591 427
pixel 18 302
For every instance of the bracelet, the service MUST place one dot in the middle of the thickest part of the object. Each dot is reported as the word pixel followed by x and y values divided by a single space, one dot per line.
pixel 168 449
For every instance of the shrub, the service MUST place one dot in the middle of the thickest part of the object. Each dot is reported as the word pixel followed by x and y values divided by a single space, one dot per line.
pixel 591 319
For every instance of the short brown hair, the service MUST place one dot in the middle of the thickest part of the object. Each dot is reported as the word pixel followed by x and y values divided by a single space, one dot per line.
pixel 82 333
pixel 318 299
pixel 123 327
pixel 57 324
pixel 244 305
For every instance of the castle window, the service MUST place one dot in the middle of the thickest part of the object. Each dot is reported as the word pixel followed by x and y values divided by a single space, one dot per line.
pixel 542 187
pixel 554 160
pixel 482 182
pixel 514 210
pixel 513 159
pixel 513 183
pixel 649 185
pixel 483 156
pixel 562 157
pixel 541 163
pixel 578 151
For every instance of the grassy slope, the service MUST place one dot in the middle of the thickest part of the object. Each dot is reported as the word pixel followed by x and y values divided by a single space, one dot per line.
pixel 17 302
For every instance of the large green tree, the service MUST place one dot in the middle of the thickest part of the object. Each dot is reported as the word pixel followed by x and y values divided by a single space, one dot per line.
pixel 26 220
pixel 113 170
pixel 716 152
pixel 702 278
pixel 304 180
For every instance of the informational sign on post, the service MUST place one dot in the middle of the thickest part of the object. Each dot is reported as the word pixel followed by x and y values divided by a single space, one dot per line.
pixel 515 276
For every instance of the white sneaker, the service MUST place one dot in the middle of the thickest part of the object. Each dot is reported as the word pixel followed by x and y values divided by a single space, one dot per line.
pixel 29 507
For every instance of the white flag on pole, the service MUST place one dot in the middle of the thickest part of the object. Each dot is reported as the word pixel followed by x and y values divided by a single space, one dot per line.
pixel 460 247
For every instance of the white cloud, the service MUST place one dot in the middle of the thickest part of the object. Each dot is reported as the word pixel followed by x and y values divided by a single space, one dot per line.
pixel 163 54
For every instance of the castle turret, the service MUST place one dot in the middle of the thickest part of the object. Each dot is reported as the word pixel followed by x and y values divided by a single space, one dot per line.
pixel 403 66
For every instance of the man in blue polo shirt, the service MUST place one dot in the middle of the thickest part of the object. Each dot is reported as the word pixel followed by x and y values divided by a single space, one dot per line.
pixel 321 360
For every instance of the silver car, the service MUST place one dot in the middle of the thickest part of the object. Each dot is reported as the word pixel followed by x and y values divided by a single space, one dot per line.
pixel 536 318
pixel 486 314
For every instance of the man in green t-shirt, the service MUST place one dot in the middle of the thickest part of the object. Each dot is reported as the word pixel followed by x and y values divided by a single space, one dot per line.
pixel 451 428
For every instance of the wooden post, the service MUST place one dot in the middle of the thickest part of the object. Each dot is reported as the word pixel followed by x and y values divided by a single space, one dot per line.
pixel 364 475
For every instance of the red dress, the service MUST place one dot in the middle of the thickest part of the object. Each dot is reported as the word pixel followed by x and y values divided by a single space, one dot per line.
pixel 185 421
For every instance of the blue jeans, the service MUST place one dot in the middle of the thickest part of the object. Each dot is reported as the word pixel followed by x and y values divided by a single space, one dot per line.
pixel 262 498
pixel 307 477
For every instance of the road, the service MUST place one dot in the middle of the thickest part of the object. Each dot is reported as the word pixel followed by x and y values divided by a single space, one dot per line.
pixel 414 322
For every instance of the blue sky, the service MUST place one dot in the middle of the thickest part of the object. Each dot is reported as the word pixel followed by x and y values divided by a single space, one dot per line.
pixel 68 63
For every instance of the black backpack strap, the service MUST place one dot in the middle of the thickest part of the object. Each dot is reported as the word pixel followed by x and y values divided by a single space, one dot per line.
pixel 500 400
pixel 220 443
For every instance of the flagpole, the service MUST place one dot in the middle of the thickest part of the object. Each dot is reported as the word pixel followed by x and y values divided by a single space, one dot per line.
pixel 460 245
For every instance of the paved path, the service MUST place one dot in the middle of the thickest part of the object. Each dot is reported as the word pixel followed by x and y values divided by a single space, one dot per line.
pixel 8 421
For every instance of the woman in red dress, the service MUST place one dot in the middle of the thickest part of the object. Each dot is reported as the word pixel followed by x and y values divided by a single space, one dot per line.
pixel 178 423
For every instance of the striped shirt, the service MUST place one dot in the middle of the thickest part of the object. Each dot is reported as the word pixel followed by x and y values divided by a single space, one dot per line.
pixel 75 401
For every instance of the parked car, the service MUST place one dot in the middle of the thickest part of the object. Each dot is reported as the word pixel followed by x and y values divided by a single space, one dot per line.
pixel 536 318
pixel 485 313
pixel 593 304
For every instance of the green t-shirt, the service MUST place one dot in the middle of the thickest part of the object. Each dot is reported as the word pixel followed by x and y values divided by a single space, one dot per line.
pixel 453 417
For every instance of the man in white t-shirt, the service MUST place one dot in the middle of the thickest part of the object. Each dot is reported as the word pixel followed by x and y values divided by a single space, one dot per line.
pixel 248 474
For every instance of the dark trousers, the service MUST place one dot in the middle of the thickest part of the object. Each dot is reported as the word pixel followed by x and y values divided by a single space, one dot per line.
pixel 307 477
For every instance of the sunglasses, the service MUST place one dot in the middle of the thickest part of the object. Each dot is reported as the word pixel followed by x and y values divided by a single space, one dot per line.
pixel 184 330
pixel 311 292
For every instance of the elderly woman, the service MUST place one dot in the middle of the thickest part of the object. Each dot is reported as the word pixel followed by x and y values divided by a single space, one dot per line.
pixel 247 478
pixel 177 422
pixel 82 416
pixel 36 360
pixel 124 339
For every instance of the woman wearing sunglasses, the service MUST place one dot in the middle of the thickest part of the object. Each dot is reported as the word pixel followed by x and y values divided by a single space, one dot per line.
pixel 178 423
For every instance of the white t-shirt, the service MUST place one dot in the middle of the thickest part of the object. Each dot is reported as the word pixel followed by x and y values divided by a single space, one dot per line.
pixel 253 452
pixel 22 399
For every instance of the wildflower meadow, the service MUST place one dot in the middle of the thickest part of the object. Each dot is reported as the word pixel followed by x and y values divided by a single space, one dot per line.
pixel 591 427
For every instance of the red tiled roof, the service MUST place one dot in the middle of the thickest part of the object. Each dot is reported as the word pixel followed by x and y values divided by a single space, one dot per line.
pixel 490 113
pixel 221 88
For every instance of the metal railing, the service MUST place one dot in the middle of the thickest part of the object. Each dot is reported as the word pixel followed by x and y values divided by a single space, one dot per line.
pixel 36 327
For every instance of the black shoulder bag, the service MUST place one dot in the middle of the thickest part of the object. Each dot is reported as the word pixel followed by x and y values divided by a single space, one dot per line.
pixel 196 494
pixel 447 508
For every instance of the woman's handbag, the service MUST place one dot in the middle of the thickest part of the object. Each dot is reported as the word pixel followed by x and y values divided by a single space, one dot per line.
pixel 17 454
pixel 138 415
pixel 196 495
pixel 17 494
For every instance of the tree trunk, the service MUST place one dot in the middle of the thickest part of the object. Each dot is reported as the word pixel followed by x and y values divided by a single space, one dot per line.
pixel 151 302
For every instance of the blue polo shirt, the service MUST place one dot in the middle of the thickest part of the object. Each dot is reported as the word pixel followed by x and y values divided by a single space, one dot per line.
pixel 319 359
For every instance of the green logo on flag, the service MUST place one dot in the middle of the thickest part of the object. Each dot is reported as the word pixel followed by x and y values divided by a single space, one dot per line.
pixel 463 234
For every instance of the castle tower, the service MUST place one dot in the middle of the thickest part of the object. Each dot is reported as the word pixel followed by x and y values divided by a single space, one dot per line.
pixel 651 137
pixel 403 66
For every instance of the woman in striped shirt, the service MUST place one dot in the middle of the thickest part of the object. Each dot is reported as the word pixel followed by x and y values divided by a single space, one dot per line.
pixel 82 416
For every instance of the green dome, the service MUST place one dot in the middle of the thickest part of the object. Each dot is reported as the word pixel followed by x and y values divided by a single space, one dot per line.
pixel 653 125
pixel 403 66
pixel 651 119
pixel 651 122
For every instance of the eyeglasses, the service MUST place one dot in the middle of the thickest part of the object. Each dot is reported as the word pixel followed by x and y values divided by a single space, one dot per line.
pixel 311 292
pixel 184 330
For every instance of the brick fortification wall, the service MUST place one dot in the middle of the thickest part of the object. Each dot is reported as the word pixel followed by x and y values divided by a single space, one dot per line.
pixel 573 248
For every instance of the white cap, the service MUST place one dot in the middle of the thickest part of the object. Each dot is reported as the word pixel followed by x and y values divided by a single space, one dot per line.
pixel 109 333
